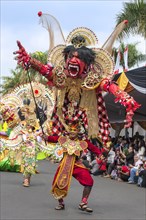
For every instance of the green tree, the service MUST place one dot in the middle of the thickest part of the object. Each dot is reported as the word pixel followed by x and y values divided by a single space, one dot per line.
pixel 134 56
pixel 135 13
pixel 20 76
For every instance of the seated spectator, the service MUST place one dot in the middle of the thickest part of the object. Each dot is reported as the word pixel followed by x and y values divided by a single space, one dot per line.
pixel 141 148
pixel 124 173
pixel 118 161
pixel 124 146
pixel 142 176
pixel 100 164
pixel 129 158
pixel 93 164
pixel 114 174
pixel 117 144
pixel 90 155
pixel 110 157
pixel 134 168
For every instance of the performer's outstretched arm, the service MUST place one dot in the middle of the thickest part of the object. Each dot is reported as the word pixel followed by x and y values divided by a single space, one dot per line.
pixel 93 148
pixel 122 97
pixel 24 59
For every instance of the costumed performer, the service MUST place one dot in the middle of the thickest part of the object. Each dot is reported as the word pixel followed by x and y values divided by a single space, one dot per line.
pixel 21 130
pixel 8 160
pixel 80 72
pixel 71 165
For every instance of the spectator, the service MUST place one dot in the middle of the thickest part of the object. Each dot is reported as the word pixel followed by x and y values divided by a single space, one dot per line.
pixel 100 165
pixel 136 136
pixel 124 146
pixel 139 182
pixel 118 161
pixel 94 165
pixel 141 148
pixel 117 144
pixel 124 173
pixel 135 142
pixel 142 175
pixel 129 158
pixel 110 157
pixel 134 169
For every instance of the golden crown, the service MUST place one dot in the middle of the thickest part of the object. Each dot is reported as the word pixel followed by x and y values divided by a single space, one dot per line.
pixel 78 41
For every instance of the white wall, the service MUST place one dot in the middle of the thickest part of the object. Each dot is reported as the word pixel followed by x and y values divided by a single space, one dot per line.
pixel 137 128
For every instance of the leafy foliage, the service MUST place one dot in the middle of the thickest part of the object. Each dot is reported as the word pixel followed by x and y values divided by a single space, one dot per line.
pixel 135 13
pixel 134 56
pixel 20 76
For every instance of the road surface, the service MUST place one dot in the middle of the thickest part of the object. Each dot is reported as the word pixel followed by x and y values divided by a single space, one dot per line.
pixel 110 199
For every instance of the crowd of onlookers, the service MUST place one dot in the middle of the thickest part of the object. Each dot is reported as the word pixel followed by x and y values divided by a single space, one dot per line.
pixel 126 160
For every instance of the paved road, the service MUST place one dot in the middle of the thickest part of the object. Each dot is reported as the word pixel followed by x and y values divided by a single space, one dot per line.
pixel 110 200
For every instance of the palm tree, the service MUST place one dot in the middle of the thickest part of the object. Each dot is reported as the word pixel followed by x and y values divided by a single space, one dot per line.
pixel 19 76
pixel 134 56
pixel 135 13
pixel 10 82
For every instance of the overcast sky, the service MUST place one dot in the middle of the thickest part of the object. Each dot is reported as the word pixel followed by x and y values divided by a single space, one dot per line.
pixel 19 21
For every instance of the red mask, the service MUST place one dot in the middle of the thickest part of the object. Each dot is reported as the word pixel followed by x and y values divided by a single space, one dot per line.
pixel 75 66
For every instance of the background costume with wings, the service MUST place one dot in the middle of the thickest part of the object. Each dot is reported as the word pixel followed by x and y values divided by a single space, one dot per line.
pixel 20 130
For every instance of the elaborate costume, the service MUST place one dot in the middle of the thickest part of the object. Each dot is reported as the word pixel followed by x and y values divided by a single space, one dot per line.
pixel 79 71
pixel 21 144
pixel 80 74
pixel 71 165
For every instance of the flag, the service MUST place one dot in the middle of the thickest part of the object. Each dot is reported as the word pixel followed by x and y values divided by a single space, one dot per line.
pixel 126 59
pixel 117 65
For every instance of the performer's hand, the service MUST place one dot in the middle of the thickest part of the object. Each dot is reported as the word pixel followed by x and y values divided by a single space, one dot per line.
pixel 22 56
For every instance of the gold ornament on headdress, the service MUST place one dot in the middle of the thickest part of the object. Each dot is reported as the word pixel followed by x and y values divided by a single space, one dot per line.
pixel 55 56
pixel 54 29
pixel 78 41
pixel 86 33
pixel 102 68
